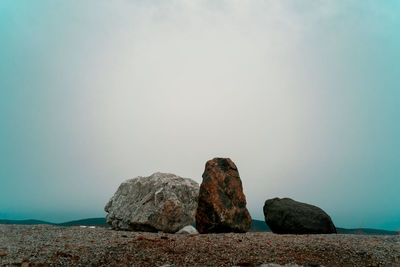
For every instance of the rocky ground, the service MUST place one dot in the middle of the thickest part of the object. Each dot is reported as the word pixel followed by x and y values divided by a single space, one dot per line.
pixel 44 245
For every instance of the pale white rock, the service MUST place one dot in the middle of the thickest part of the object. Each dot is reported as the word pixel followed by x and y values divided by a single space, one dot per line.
pixel 161 202
pixel 188 230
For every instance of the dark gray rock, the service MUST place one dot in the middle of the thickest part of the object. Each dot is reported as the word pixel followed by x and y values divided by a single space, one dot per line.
pixel 286 216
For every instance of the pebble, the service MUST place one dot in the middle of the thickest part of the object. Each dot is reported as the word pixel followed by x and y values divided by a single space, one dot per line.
pixel 79 246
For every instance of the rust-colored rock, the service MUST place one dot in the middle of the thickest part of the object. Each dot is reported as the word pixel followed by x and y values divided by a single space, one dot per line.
pixel 222 204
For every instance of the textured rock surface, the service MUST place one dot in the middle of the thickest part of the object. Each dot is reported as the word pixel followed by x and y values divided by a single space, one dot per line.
pixel 222 204
pixel 188 230
pixel 286 216
pixel 161 202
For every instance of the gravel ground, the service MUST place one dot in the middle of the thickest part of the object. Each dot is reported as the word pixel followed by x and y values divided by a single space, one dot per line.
pixel 45 245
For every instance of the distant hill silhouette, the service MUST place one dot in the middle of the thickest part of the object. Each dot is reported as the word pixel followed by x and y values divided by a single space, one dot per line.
pixel 365 231
pixel 25 222
pixel 261 226
pixel 256 226
pixel 99 222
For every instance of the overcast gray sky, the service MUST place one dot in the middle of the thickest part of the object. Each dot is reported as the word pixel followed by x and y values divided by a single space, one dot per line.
pixel 302 95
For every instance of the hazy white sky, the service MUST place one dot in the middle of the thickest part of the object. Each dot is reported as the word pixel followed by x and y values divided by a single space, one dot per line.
pixel 302 95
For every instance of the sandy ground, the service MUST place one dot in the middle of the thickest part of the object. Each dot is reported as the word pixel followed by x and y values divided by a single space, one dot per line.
pixel 44 245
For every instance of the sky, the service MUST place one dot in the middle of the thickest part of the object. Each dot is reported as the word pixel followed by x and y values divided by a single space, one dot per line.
pixel 304 97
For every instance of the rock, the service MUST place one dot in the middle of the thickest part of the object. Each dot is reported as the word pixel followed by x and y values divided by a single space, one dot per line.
pixel 278 265
pixel 188 230
pixel 161 202
pixel 222 204
pixel 286 216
